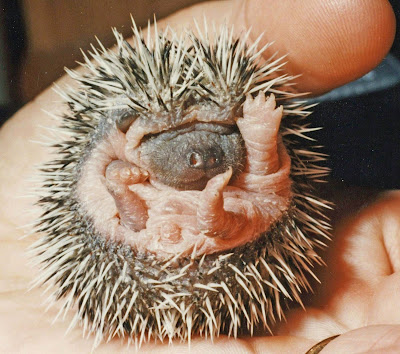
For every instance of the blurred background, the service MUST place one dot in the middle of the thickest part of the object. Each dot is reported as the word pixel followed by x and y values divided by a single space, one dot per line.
pixel 39 38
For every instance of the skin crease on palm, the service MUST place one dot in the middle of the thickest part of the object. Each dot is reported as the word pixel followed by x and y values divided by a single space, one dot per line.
pixel 330 43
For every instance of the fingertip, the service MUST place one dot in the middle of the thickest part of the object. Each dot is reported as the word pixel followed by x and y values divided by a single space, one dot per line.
pixel 329 42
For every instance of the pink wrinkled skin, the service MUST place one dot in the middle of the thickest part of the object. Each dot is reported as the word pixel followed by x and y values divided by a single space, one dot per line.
pixel 128 205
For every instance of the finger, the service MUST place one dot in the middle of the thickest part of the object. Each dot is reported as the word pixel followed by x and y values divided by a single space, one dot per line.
pixel 362 279
pixel 384 304
pixel 371 339
pixel 364 266
pixel 368 247
pixel 328 42
pixel 376 262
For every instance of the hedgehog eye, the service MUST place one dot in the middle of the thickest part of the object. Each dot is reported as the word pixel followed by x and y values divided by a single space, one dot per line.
pixel 189 159
pixel 124 122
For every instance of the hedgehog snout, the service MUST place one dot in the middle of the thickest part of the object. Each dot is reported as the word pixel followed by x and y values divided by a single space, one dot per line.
pixel 187 160
pixel 205 159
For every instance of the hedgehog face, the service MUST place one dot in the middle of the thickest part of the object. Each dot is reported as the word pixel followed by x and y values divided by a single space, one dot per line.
pixel 187 158
pixel 181 201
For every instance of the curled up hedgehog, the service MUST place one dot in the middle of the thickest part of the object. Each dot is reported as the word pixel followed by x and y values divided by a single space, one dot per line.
pixel 181 200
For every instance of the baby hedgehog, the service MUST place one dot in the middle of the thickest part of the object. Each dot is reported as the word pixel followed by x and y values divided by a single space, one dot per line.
pixel 180 202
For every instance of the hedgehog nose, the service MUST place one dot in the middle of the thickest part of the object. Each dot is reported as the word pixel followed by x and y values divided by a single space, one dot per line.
pixel 207 159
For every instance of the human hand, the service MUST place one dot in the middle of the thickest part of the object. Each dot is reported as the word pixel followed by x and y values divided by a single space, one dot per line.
pixel 331 43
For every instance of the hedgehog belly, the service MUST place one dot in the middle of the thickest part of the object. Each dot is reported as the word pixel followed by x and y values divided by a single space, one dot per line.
pixel 129 202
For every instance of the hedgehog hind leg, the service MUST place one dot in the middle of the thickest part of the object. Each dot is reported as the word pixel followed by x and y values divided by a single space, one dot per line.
pixel 259 128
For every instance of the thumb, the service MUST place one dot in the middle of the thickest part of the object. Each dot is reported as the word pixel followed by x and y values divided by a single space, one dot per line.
pixel 330 42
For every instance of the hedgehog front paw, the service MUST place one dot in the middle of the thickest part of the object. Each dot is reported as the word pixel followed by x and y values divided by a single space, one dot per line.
pixel 120 174
pixel 132 209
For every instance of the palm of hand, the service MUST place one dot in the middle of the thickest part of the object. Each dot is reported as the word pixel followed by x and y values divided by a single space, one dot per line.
pixel 361 286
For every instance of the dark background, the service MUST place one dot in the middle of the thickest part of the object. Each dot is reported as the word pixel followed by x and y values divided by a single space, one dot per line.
pixel 38 38
pixel 362 134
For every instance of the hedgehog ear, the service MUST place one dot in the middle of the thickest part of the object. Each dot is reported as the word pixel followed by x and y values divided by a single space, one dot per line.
pixel 124 122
